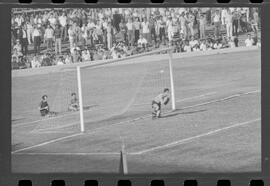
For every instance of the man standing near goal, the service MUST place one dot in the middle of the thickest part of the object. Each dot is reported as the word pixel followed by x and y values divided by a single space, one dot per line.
pixel 162 98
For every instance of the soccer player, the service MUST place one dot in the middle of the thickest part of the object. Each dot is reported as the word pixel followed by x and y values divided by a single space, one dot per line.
pixel 162 98
pixel 74 103
pixel 44 106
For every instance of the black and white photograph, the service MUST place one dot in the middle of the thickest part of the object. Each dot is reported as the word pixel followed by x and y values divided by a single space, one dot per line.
pixel 156 90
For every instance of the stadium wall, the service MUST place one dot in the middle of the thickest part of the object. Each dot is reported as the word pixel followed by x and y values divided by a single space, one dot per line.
pixel 140 58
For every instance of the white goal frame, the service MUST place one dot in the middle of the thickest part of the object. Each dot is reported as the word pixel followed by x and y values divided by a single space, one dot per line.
pixel 169 50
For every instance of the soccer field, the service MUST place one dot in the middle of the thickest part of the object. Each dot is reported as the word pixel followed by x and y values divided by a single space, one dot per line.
pixel 215 128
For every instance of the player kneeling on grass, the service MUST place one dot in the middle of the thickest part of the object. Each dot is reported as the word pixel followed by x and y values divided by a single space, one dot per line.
pixel 160 99
pixel 74 103
pixel 44 107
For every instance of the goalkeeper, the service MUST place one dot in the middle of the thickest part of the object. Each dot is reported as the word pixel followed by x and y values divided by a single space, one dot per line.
pixel 163 98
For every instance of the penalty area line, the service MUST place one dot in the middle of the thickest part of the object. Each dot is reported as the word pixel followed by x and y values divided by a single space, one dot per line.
pixel 67 153
pixel 129 121
pixel 74 123
pixel 182 141
pixel 222 99
pixel 168 145
pixel 47 142
pixel 52 118
pixel 184 99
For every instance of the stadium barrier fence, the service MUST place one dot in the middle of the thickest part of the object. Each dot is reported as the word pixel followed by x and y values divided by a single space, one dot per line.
pixel 50 69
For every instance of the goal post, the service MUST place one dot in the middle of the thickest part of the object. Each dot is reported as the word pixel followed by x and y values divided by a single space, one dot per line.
pixel 138 83
pixel 80 98
pixel 171 80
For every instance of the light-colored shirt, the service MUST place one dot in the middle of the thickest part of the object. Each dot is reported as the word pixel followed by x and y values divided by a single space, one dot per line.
pixel 193 43
pixel 24 34
pixel 145 27
pixel 60 62
pixel 71 33
pixel 187 48
pixel 52 20
pixel 86 56
pixel 228 18
pixel 203 47
pixel 129 25
pixel 19 20
pixel 91 25
pixel 161 98
pixel 36 33
pixel 35 63
pixel 48 33
pixel 249 42
pixel 63 21
pixel 231 44
pixel 136 25
pixel 142 41
pixel 216 18
pixel 223 13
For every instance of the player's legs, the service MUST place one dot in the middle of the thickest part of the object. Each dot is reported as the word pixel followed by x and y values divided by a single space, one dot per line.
pixel 73 108
pixel 44 112
pixel 156 109
pixel 158 112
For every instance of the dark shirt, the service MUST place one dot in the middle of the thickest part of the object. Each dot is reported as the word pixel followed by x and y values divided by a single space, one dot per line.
pixel 57 33
pixel 74 101
pixel 46 62
pixel 236 41
pixel 43 105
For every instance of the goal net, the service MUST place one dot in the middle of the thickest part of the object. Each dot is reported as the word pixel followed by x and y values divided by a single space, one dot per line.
pixel 108 92
pixel 123 89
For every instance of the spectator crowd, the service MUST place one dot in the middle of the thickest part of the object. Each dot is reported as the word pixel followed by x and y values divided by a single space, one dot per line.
pixel 45 37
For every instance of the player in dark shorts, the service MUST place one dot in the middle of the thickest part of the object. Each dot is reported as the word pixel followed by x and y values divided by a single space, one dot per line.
pixel 44 106
pixel 158 101
pixel 74 103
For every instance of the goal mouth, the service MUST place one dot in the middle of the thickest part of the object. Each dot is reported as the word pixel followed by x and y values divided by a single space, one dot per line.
pixel 110 92
pixel 123 92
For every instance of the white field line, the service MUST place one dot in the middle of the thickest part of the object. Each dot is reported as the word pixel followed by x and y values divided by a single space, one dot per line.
pixel 52 132
pixel 51 118
pixel 47 142
pixel 184 99
pixel 74 123
pixel 73 113
pixel 145 116
pixel 189 98
pixel 129 121
pixel 45 119
pixel 53 128
pixel 168 145
pixel 68 153
pixel 179 142
pixel 222 99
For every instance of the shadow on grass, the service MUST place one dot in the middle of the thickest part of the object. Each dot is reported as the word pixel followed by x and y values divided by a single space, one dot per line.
pixel 175 113
pixel 89 107
pixel 17 119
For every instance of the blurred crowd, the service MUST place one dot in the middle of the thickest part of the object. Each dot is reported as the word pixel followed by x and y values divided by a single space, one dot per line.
pixel 45 37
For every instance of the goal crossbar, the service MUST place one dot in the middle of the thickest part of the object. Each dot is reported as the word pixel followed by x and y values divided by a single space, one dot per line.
pixel 79 67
